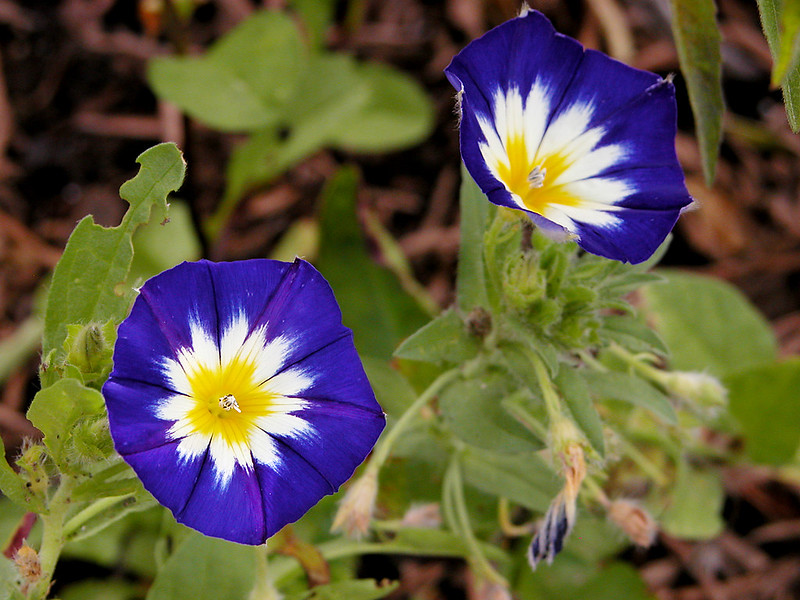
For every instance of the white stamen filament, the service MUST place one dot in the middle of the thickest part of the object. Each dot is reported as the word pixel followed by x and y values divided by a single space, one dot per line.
pixel 228 402
pixel 536 177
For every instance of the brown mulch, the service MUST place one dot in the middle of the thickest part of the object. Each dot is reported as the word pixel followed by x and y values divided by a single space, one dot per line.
pixel 75 111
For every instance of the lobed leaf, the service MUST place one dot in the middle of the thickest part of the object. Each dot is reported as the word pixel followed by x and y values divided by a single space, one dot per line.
pixel 90 282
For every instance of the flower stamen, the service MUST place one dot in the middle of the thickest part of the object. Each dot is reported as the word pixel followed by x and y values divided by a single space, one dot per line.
pixel 536 177
pixel 228 402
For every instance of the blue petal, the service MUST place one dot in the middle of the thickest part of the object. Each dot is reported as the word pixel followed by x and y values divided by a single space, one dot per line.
pixel 233 512
pixel 132 415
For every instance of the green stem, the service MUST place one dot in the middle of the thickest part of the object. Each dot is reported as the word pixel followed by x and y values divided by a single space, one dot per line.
pixel 640 460
pixel 52 537
pixel 94 509
pixel 551 400
pixel 525 418
pixel 648 371
pixel 454 481
pixel 264 587
pixel 384 445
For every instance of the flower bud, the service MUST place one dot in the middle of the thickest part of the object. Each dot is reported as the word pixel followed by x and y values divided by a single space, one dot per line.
pixel 634 520
pixel 702 389
pixel 356 509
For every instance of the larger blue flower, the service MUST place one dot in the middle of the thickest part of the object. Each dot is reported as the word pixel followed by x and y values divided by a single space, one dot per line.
pixel 583 143
pixel 237 395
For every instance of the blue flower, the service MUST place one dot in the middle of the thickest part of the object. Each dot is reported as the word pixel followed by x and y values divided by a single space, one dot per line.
pixel 581 142
pixel 237 395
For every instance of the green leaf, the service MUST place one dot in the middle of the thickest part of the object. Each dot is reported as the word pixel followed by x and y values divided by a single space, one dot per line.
pixel 357 589
pixel 771 18
pixel 632 334
pixel 57 409
pixel 696 508
pixel 244 80
pixel 317 16
pixel 101 589
pixel 476 213
pixel 789 42
pixel 708 324
pixel 472 409
pixel 628 388
pixel 445 339
pixel 392 390
pixel 373 303
pixel 164 242
pixel 575 393
pixel 90 281
pixel 698 41
pixel 14 488
pixel 522 478
pixel 764 401
pixel 397 113
pixel 205 568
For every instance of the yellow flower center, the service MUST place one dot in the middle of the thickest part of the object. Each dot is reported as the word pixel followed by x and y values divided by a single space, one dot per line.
pixel 227 399
pixel 534 179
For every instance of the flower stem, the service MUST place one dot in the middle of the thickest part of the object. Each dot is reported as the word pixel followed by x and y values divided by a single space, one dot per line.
pixel 52 537
pixel 453 481
pixel 264 587
pixel 384 445
pixel 551 400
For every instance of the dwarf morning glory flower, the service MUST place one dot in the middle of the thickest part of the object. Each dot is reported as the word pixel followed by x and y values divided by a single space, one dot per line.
pixel 581 142
pixel 237 395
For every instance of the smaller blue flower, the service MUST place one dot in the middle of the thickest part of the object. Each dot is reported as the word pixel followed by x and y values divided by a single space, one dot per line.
pixel 237 395
pixel 581 142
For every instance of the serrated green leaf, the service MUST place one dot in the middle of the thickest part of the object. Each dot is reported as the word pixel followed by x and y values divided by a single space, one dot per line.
pixel 473 410
pixel 90 281
pixel 697 38
pixel 55 410
pixel 356 589
pixel 764 399
pixel 575 393
pixel 245 79
pixel 476 214
pixel 205 568
pixel 525 479
pixel 374 304
pixel 397 113
pixel 628 388
pixel 770 11
pixel 696 507
pixel 632 334
pixel 445 339
pixel 708 324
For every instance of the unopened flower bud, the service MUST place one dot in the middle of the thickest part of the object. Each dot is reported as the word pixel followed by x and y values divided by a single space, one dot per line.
pixel 634 520
pixel 702 389
pixel 355 511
